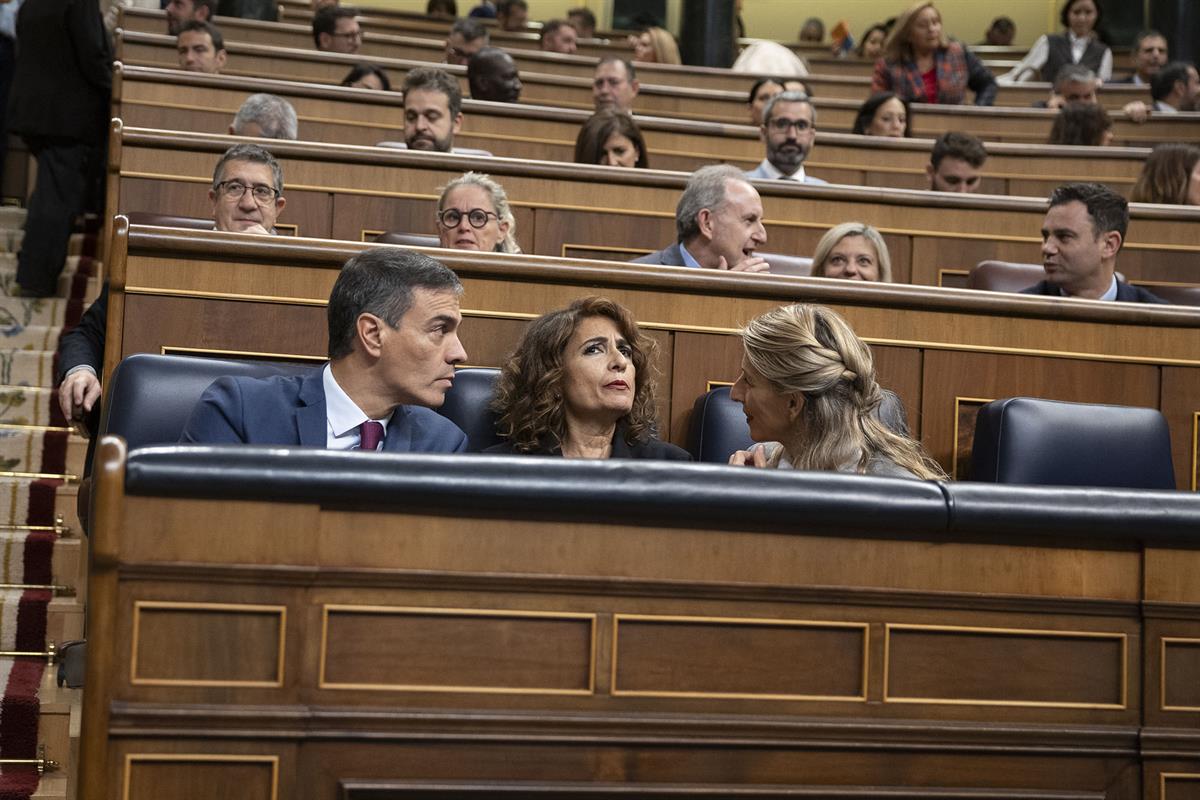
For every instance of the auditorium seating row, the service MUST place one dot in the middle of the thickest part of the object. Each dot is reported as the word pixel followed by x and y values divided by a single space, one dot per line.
pixel 944 352
pixel 832 77
pixel 584 211
pixel 992 124
pixel 148 97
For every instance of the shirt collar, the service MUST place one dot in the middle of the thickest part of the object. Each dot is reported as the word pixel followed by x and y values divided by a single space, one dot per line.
pixel 1111 294
pixel 688 259
pixel 774 174
pixel 342 415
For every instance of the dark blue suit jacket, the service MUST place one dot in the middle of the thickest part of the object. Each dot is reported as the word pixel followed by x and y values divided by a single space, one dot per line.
pixel 1126 293
pixel 290 410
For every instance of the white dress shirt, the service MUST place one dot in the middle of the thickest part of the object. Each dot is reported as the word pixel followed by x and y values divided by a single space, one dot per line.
pixel 1030 67
pixel 343 416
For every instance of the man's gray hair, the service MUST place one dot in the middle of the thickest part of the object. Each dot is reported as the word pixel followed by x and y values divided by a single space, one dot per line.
pixel 789 97
pixel 275 116
pixel 1073 73
pixel 249 152
pixel 705 189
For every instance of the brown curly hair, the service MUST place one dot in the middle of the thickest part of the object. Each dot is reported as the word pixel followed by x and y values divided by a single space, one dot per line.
pixel 529 395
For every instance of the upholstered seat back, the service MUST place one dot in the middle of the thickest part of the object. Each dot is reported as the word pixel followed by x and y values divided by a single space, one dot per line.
pixel 408 239
pixel 1004 276
pixel 718 425
pixel 1052 443
pixel 150 397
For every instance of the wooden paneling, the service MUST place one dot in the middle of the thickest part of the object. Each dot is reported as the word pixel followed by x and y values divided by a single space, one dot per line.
pixel 731 658
pixel 150 776
pixel 969 666
pixel 1181 403
pixel 1181 674
pixel 207 644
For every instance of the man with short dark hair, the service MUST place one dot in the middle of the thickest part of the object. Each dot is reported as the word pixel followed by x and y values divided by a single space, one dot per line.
pixel 492 75
pixel 955 164
pixel 1175 88
pixel 718 223
pixel 266 116
pixel 1083 232
pixel 559 37
pixel 511 15
pixel 1148 56
pixel 583 21
pixel 467 37
pixel 201 47
pixel 335 29
pixel 393 321
pixel 432 109
pixel 615 84
pixel 182 11
pixel 789 129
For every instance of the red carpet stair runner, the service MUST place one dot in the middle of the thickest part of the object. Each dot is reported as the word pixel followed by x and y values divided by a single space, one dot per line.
pixel 40 462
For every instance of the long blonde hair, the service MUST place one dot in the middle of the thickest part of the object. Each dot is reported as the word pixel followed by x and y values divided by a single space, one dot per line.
pixel 810 350
pixel 838 232
pixel 666 51
pixel 897 47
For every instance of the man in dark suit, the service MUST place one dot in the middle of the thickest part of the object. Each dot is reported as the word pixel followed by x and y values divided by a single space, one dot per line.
pixel 393 344
pixel 1149 55
pixel 719 224
pixel 59 106
pixel 1083 232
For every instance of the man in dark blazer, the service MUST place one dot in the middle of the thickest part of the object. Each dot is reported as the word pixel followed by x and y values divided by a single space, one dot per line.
pixel 1083 232
pixel 393 345
pixel 718 222
pixel 59 106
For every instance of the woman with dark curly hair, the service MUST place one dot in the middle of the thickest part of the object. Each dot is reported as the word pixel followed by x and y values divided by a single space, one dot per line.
pixel 580 385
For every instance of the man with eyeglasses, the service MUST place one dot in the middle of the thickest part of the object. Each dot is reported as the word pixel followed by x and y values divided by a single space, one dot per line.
pixel 335 30
pixel 789 128
pixel 246 196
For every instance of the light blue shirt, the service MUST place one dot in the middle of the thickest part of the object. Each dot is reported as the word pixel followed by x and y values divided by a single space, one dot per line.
pixel 8 18
pixel 1111 294
pixel 343 416
pixel 688 261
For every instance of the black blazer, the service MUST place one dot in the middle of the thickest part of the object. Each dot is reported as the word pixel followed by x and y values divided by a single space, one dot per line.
pixel 84 344
pixel 651 448
pixel 63 74
pixel 1126 293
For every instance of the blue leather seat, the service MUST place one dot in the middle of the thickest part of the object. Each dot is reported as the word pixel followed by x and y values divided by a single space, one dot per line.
pixel 718 425
pixel 1054 443
pixel 150 397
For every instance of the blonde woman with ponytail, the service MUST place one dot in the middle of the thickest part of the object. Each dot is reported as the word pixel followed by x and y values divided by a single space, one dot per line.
pixel 808 390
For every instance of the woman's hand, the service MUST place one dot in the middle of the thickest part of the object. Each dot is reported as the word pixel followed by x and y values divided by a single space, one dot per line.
pixel 754 457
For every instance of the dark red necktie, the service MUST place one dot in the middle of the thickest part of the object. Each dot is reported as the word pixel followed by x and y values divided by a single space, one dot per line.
pixel 370 435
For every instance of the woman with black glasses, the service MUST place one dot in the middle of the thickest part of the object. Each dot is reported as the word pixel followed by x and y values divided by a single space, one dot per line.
pixel 473 214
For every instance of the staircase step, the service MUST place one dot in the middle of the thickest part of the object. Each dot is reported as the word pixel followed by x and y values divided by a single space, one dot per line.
pixel 64 620
pixel 30 405
pixel 15 497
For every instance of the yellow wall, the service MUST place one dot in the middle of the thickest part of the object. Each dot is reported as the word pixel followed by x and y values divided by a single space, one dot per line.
pixel 781 19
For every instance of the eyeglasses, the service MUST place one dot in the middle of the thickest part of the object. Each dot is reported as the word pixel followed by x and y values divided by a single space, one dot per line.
pixel 235 190
pixel 350 35
pixel 476 217
pixel 783 125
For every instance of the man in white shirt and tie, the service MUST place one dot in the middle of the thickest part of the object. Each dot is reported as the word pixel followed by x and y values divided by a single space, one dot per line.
pixel 789 128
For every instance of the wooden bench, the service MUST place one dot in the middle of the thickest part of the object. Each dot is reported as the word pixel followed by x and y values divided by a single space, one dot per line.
pixel 149 97
pixel 629 632
pixel 944 352
pixel 584 211
pixel 830 79
pixel 992 124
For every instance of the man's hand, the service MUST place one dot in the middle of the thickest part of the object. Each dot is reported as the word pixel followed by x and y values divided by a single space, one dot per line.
pixel 1137 111
pixel 754 457
pixel 1056 101
pixel 256 228
pixel 750 264
pixel 77 394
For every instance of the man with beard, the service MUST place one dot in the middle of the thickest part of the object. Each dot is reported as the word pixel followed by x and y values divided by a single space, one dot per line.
pixel 789 128
pixel 492 75
pixel 432 113
pixel 182 11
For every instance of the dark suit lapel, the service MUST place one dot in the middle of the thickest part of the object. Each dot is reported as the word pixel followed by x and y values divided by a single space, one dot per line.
pixel 311 419
pixel 399 433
